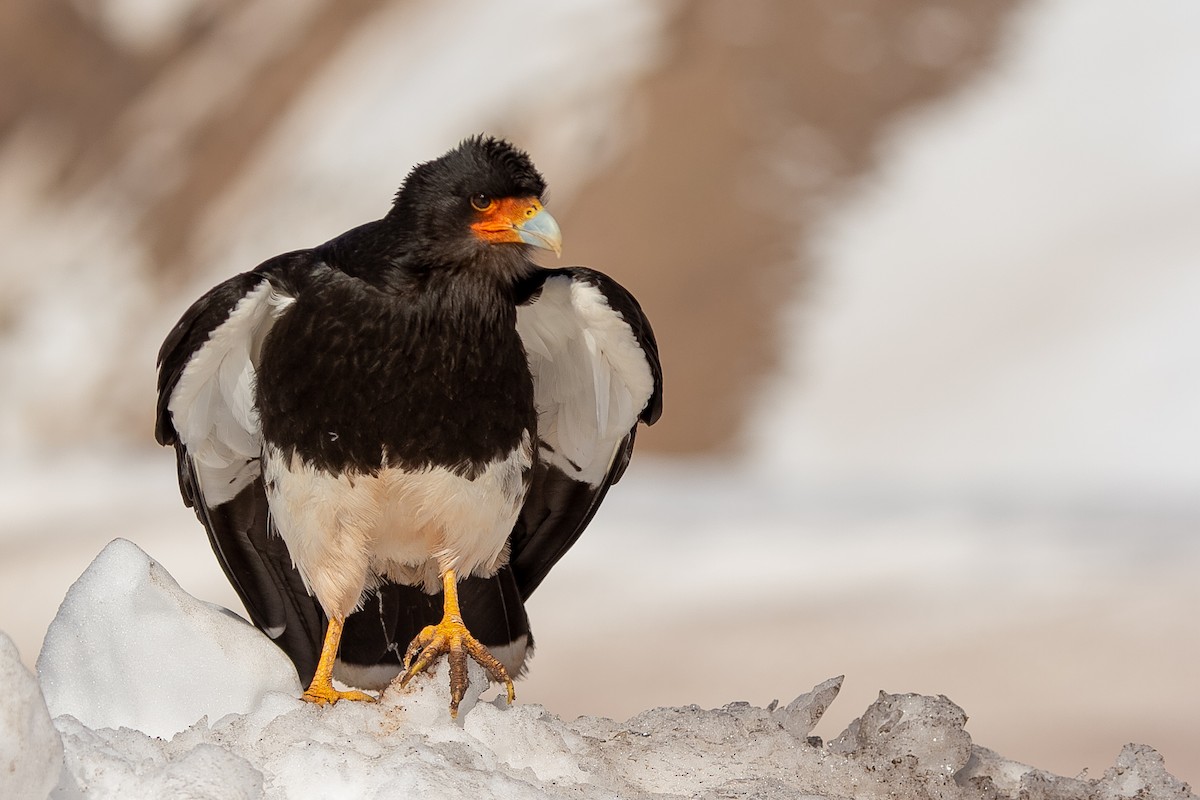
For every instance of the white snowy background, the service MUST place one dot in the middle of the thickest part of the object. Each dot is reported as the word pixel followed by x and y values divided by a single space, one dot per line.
pixel 977 477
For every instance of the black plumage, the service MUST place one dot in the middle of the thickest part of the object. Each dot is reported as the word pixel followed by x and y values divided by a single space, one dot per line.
pixel 318 401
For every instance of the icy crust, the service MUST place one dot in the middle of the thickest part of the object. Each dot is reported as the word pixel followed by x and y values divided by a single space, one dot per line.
pixel 272 745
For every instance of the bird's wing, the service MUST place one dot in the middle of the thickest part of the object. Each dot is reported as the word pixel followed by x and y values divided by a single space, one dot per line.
pixel 596 373
pixel 206 409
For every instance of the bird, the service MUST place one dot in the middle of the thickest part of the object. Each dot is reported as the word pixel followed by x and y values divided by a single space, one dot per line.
pixel 392 437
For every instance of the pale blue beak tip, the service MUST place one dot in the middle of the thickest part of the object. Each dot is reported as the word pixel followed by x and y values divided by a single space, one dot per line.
pixel 541 230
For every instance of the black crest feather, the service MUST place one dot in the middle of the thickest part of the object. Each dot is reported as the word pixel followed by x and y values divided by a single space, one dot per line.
pixel 481 163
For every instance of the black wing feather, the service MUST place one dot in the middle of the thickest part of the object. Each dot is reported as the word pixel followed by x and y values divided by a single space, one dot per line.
pixel 556 512
pixel 259 567
pixel 253 558
pixel 559 507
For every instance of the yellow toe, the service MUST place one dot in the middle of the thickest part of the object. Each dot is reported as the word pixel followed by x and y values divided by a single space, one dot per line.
pixel 327 695
pixel 451 638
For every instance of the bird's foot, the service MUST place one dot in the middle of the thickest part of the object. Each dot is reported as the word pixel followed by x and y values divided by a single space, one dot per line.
pixel 325 694
pixel 321 690
pixel 450 637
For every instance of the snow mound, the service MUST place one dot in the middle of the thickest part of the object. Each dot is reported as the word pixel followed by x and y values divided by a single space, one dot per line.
pixel 130 648
pixel 904 746
pixel 131 654
pixel 31 751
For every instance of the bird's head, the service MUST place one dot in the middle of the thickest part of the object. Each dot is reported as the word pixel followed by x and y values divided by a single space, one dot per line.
pixel 482 198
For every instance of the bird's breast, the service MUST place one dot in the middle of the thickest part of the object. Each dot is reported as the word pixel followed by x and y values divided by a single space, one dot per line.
pixel 361 384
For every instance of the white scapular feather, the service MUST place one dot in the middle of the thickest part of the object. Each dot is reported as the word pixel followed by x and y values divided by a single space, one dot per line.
pixel 212 406
pixel 591 378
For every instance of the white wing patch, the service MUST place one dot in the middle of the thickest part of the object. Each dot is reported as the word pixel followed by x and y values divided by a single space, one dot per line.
pixel 212 406
pixel 590 377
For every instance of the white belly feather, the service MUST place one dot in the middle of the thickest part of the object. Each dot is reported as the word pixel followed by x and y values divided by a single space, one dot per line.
pixel 343 531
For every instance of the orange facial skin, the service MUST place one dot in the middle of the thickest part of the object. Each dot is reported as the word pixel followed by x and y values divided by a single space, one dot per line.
pixel 501 220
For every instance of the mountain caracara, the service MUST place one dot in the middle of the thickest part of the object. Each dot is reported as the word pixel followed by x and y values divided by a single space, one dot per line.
pixel 392 437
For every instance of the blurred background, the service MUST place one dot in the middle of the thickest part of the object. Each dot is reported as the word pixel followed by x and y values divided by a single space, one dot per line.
pixel 925 276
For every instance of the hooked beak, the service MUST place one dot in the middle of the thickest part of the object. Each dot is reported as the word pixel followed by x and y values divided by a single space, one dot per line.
pixel 519 220
pixel 541 230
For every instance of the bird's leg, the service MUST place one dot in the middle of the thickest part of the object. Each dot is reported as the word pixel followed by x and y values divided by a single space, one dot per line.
pixel 321 690
pixel 450 636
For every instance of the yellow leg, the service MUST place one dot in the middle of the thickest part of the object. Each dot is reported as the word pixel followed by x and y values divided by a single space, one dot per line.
pixel 321 690
pixel 451 637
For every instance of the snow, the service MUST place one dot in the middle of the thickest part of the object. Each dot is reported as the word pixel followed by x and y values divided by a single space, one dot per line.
pixel 176 707
pixel 94 663
pixel 30 749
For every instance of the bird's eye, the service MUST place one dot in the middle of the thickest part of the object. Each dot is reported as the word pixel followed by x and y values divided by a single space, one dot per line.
pixel 481 202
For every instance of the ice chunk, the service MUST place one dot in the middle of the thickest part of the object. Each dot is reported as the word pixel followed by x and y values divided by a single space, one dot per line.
pixel 990 774
pixel 1140 772
pixel 902 726
pixel 31 751
pixel 987 769
pixel 801 715
pixel 130 648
